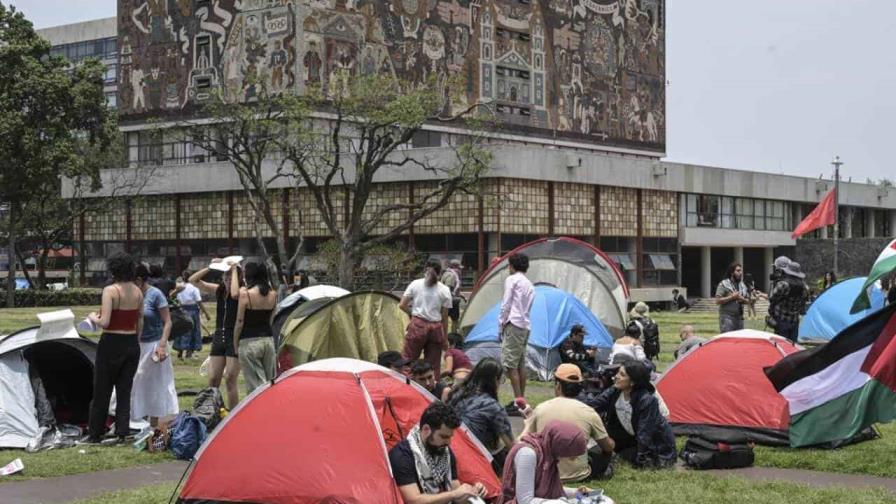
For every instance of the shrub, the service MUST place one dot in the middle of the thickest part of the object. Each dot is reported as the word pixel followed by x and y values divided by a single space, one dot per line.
pixel 70 297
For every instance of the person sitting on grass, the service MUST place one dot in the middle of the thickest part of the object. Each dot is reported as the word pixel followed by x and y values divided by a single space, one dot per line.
pixel 689 341
pixel 629 344
pixel 476 401
pixel 531 474
pixel 681 302
pixel 565 407
pixel 573 350
pixel 457 364
pixel 423 375
pixel 423 465
pixel 634 420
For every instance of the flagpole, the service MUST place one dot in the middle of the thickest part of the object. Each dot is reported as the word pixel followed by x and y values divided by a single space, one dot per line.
pixel 837 163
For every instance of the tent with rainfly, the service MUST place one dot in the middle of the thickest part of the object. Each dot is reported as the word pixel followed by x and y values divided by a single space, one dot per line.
pixel 320 433
pixel 829 313
pixel 721 387
pixel 358 325
pixel 553 314
pixel 289 304
pixel 569 264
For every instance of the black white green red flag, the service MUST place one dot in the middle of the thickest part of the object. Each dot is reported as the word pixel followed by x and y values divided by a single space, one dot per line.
pixel 837 390
pixel 883 266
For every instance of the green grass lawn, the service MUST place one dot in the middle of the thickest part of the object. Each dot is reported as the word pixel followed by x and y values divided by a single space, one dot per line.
pixel 631 486
pixel 874 458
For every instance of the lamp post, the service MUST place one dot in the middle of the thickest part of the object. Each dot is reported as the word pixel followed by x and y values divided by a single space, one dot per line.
pixel 837 163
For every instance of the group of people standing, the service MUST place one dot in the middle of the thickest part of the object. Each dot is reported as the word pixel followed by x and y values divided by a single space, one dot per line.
pixel 787 298
pixel 135 317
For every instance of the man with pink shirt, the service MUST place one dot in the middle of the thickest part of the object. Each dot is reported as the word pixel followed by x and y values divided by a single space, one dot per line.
pixel 514 323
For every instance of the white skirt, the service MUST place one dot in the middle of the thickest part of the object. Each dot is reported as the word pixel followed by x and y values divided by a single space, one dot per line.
pixel 153 393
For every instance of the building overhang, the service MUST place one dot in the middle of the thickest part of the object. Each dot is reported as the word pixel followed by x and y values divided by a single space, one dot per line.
pixel 714 237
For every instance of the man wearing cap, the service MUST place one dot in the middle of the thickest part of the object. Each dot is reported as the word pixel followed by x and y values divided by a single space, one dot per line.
pixel 394 361
pixel 573 350
pixel 451 279
pixel 787 298
pixel 565 407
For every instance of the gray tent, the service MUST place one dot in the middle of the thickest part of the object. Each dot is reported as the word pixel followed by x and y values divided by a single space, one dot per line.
pixel 46 380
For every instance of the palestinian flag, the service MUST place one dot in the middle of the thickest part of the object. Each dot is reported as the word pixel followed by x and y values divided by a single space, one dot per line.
pixel 839 389
pixel 883 266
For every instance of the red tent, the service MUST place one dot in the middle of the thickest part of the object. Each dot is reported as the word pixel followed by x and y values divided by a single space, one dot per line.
pixel 320 434
pixel 721 387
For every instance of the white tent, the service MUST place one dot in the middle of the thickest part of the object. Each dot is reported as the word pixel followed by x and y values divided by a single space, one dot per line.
pixel 52 358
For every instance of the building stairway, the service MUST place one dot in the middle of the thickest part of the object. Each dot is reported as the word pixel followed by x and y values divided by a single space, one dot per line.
pixel 706 305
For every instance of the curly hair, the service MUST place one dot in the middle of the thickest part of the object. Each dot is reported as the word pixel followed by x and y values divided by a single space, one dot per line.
pixel 122 267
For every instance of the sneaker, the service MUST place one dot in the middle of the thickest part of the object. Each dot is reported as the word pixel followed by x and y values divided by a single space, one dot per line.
pixel 512 410
pixel 89 440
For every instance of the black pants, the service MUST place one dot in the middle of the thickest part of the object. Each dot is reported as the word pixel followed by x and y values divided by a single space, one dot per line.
pixel 598 460
pixel 787 330
pixel 626 444
pixel 117 357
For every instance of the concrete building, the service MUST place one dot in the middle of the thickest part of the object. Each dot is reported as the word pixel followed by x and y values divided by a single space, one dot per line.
pixel 90 39
pixel 579 154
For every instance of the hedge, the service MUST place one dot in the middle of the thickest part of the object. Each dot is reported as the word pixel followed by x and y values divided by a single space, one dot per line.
pixel 27 298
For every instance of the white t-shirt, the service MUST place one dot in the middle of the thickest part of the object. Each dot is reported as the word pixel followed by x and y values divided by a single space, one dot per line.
pixel 189 296
pixel 624 413
pixel 427 302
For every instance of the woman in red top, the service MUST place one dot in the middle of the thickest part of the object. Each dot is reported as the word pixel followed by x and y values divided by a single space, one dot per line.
pixel 118 351
pixel 457 364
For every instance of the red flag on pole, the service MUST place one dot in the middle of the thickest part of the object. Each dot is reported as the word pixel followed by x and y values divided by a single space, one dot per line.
pixel 823 215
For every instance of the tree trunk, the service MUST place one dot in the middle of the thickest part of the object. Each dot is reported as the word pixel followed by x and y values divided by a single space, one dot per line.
pixel 42 268
pixel 21 258
pixel 11 254
pixel 348 259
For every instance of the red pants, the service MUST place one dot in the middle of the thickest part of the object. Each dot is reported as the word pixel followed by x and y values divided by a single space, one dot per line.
pixel 427 337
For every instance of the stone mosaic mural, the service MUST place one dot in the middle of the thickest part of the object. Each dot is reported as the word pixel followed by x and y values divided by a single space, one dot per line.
pixel 589 70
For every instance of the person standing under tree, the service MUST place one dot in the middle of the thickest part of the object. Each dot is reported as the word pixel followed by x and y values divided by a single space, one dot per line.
pixel 451 279
pixel 731 296
pixel 253 336
pixel 513 326
pixel 427 301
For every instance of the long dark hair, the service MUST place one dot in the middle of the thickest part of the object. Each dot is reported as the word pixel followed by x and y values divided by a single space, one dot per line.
pixel 224 287
pixel 639 374
pixel 729 273
pixel 483 379
pixel 257 276
pixel 833 278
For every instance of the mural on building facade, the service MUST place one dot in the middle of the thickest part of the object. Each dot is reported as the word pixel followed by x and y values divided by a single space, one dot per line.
pixel 585 69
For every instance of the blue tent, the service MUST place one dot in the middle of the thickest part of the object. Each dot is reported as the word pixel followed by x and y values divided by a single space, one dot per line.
pixel 829 314
pixel 554 312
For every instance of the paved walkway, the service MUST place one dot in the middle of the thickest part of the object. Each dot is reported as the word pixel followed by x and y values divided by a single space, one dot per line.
pixel 83 486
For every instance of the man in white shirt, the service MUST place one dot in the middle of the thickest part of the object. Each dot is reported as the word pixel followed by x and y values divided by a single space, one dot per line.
pixel 427 301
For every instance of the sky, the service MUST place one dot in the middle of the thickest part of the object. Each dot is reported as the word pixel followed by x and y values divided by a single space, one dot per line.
pixel 766 85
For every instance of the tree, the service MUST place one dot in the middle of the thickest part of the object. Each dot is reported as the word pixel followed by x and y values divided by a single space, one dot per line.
pixel 369 124
pixel 243 134
pixel 45 109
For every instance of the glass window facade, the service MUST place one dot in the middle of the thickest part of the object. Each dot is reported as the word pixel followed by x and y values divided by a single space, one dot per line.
pixel 737 213
pixel 103 49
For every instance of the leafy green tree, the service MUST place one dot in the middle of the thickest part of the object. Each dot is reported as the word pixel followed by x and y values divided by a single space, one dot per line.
pixel 47 108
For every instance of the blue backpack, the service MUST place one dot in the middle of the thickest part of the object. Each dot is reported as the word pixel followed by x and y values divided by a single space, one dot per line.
pixel 187 433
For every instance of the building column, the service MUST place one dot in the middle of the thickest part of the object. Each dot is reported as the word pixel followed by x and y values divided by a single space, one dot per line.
pixel 892 222
pixel 768 255
pixel 705 272
pixel 494 247
pixel 847 225
pixel 824 232
pixel 870 223
pixel 739 255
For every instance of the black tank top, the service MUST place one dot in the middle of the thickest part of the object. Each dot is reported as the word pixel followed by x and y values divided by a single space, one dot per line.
pixel 225 318
pixel 257 323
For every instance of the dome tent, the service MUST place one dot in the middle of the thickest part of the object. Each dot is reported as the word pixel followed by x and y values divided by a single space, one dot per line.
pixel 721 387
pixel 351 413
pixel 553 314
pixel 829 313
pixel 62 360
pixel 285 307
pixel 569 264
pixel 359 325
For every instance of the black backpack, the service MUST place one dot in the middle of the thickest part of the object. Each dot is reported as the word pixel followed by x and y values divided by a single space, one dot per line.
pixel 699 453
pixel 207 407
pixel 650 336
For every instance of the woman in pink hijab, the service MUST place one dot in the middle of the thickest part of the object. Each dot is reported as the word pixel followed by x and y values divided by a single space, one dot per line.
pixel 530 473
